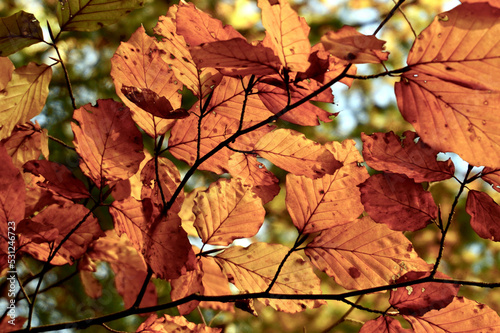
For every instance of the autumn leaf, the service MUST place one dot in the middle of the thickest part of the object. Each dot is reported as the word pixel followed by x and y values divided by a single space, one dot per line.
pixel 137 63
pixel 493 3
pixel 228 210
pixel 58 178
pixel 286 33
pixel 185 285
pixel 398 202
pixel 364 254
pixel 151 102
pixel 387 152
pixel 418 299
pixel 251 269
pixel 350 45
pixel 129 218
pixel 197 27
pixel 214 283
pixel 17 32
pixel 485 215
pixel 452 92
pixel 462 315
pixel 12 192
pixel 6 68
pixel 24 96
pixel 89 15
pixel 332 200
pixel 107 141
pixel 178 324
pixel 383 324
pixel 492 176
pixel 293 152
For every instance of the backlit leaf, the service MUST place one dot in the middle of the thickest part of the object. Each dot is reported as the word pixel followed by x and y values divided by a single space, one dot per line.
pixel 17 32
pixel 129 218
pixel 185 285
pixel 151 102
pixel 107 141
pixel 12 192
pixel 89 15
pixel 462 315
pixel 387 152
pixel 350 45
pixel 137 63
pixel 492 176
pixel 398 202
pixel 286 33
pixel 228 210
pixel 6 70
pixel 451 95
pixel 177 324
pixel 293 152
pixel 485 215
pixel 364 254
pixel 418 299
pixel 58 178
pixel 27 142
pixel 383 324
pixel 251 269
pixel 24 96
pixel 318 204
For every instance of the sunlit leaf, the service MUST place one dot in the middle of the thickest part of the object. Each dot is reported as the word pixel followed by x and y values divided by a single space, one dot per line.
pixel 6 70
pixel 364 254
pixel 27 142
pixel 17 32
pixel 11 192
pixel 383 324
pixel 451 95
pixel 89 15
pixel 251 269
pixel 485 215
pixel 151 102
pixel 332 200
pixel 177 324
pixel 398 202
pixel 24 96
pixel 387 152
pixel 295 153
pixel 107 141
pixel 228 210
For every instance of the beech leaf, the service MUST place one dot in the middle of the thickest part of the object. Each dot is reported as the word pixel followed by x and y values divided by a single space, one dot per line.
pixel 492 176
pixel 398 202
pixel 150 101
pixel 27 142
pixel 12 192
pixel 387 152
pixel 17 32
pixel 452 92
pixel 383 324
pixel 293 152
pixel 251 269
pixel 177 324
pixel 485 215
pixel 364 254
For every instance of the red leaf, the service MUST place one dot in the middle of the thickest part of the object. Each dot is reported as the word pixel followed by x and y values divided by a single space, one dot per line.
pixel 485 215
pixel 12 192
pixel 418 299
pixel 387 152
pixel 398 202
pixel 383 324
pixel 492 176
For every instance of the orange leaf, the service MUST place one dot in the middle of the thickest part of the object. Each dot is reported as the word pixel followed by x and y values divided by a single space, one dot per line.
pixel 350 45
pixel 12 193
pixel 387 152
pixel 174 51
pixel 286 33
pixel 137 63
pixel 398 202
pixel 6 70
pixel 228 210
pixel 364 254
pixel 418 299
pixel 485 215
pixel 129 218
pixel 185 285
pixel 198 27
pixel 108 141
pixel 177 324
pixel 318 204
pixel 462 315
pixel 252 172
pixel 452 92
pixel 251 269
pixel 27 142
pixel 150 101
pixel 58 179
pixel 492 3
pixel 293 152
pixel 214 283
pixel 383 324
pixel 236 57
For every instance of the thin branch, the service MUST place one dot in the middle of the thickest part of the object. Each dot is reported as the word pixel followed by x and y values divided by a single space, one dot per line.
pixel 407 21
pixel 62 143
pixel 374 76
pixel 344 316
pixel 144 287
pixel 388 17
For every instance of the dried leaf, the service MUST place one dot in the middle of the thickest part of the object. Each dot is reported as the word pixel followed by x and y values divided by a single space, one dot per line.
pixel 27 142
pixel 177 324
pixel 17 32
pixel 492 176
pixel 485 215
pixel 12 193
pixel 150 101
pixel 398 202
pixel 383 324
pixel 6 70
pixel 364 254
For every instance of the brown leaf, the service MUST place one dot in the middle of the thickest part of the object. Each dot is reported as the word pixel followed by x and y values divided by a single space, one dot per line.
pixel 452 93
pixel 383 324
pixel 214 283
pixel 6 70
pixel 462 315
pixel 177 324
pixel 387 152
pixel 27 142
pixel 150 101
pixel 129 218
pixel 364 254
pixel 185 285
pixel 492 176
pixel 418 299
pixel 485 215
pixel 350 45
pixel 295 153
pixel 251 269
pixel 107 141
pixel 12 192
pixel 398 202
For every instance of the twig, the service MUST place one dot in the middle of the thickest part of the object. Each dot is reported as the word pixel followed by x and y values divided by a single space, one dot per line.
pixel 144 287
pixel 62 143
pixel 344 316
